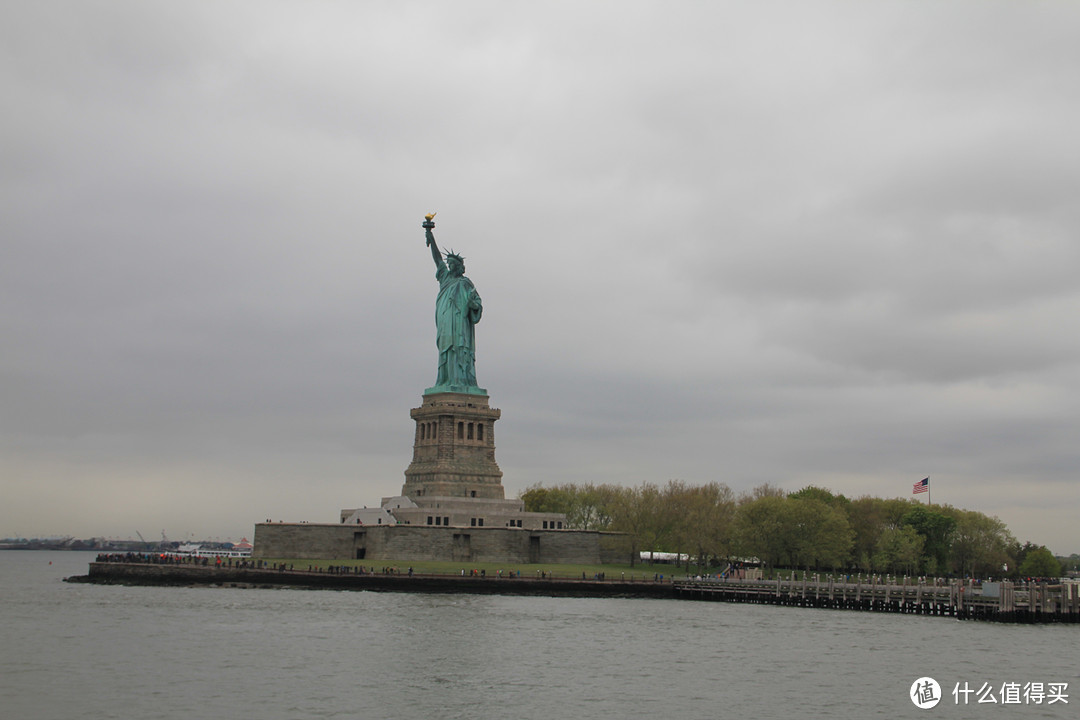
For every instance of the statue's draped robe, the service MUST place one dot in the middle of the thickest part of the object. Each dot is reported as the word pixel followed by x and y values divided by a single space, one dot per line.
pixel 455 324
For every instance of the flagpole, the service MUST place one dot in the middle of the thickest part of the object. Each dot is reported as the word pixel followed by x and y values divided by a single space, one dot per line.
pixel 928 503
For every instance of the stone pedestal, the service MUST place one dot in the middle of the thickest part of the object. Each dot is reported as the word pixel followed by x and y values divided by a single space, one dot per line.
pixel 454 449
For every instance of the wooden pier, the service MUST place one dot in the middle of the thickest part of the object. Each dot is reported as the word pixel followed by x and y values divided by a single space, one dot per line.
pixel 961 599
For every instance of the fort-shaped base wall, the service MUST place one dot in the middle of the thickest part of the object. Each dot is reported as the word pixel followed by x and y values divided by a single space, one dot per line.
pixel 402 543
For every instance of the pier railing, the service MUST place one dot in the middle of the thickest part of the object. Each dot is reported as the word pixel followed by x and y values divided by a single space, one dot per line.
pixel 1002 601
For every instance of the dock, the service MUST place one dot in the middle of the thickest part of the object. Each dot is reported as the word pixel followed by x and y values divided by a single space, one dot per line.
pixel 962 599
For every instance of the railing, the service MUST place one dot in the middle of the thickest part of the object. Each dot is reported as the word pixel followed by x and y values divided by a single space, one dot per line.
pixel 934 596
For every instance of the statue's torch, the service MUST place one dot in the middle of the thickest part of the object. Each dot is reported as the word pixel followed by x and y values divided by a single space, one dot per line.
pixel 428 226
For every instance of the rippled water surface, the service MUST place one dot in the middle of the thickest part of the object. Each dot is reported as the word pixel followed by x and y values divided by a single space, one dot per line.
pixel 88 652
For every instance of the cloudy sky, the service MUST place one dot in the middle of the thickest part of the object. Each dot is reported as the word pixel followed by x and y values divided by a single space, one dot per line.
pixel 800 243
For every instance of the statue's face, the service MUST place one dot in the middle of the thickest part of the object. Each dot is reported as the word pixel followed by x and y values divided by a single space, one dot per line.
pixel 456 267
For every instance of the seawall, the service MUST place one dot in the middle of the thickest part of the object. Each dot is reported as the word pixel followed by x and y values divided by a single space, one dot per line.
pixel 126 573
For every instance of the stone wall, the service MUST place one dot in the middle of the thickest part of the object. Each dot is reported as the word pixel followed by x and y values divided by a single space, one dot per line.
pixel 303 540
pixel 420 542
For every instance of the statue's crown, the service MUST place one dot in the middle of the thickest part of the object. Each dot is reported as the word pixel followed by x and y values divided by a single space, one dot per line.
pixel 453 255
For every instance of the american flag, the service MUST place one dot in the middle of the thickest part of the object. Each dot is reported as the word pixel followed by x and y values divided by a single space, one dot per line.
pixel 921 486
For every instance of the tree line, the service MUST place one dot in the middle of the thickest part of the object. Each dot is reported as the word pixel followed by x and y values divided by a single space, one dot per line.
pixel 812 529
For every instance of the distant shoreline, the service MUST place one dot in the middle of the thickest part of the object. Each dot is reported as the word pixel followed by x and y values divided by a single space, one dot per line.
pixel 77 546
pixel 51 548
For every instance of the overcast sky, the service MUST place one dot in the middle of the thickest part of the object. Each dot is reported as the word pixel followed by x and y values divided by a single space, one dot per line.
pixel 799 243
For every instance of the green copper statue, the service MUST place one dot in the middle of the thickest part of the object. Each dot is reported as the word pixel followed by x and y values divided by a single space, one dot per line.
pixel 457 310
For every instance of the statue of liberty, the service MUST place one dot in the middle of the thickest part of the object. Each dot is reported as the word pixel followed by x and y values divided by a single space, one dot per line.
pixel 457 310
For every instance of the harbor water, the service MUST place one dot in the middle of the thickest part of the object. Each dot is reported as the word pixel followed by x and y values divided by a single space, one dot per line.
pixel 89 651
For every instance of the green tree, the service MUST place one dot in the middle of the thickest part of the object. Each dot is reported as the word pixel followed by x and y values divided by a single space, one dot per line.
pixel 1019 553
pixel 703 526
pixel 764 490
pixel 819 535
pixel 590 507
pixel 980 544
pixel 812 527
pixel 538 498
pixel 800 531
pixel 870 517
pixel 1040 562
pixel 634 512
pixel 813 492
pixel 761 529
pixel 936 530
pixel 899 550
pixel 586 507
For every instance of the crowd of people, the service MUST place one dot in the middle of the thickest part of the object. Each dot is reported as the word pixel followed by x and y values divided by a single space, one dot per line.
pixel 159 558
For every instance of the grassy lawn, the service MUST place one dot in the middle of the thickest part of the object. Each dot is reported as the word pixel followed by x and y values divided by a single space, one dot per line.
pixel 611 572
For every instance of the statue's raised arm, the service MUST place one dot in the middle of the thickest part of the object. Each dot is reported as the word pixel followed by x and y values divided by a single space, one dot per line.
pixel 429 225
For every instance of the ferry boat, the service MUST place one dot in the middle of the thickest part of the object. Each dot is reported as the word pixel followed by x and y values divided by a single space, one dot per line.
pixel 241 549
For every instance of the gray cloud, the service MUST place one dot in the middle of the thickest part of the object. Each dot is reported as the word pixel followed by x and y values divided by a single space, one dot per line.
pixel 817 243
